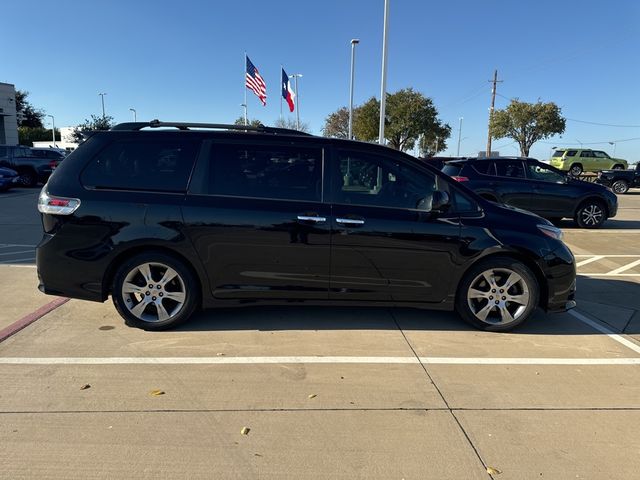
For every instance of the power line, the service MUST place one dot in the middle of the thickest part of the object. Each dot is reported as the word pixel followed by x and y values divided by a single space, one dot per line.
pixel 593 143
pixel 603 124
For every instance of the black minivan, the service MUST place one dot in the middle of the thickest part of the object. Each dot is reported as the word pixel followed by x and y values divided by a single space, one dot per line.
pixel 168 218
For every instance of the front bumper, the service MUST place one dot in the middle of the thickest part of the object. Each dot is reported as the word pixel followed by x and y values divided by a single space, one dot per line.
pixel 559 268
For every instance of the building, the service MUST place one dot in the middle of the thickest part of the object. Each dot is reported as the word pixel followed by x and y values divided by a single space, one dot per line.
pixel 8 119
pixel 66 142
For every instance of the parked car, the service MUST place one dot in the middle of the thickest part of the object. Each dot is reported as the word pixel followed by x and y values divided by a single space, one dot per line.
pixel 535 186
pixel 8 178
pixel 438 162
pixel 170 220
pixel 30 168
pixel 578 160
pixel 50 153
pixel 620 181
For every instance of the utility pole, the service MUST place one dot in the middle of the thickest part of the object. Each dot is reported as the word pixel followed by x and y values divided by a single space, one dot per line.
pixel 354 42
pixel 493 102
pixel 102 95
pixel 383 83
pixel 459 136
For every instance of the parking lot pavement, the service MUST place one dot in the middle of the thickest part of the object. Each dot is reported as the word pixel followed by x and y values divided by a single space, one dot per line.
pixel 325 392
pixel 20 224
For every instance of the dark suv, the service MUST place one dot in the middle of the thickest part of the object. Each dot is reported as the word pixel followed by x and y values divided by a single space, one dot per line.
pixel 535 186
pixel 31 168
pixel 169 220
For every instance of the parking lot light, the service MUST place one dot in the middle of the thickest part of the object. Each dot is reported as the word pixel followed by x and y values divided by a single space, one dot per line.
pixel 53 129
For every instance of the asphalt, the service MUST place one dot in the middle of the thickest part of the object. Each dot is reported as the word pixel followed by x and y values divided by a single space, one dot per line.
pixel 383 393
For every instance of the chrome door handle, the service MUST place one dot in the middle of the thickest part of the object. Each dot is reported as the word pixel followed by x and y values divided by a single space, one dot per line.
pixel 349 221
pixel 307 218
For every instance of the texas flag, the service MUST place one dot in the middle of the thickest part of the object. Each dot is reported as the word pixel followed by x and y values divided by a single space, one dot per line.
pixel 287 92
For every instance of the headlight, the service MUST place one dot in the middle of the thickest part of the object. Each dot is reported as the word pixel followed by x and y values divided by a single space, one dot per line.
pixel 551 231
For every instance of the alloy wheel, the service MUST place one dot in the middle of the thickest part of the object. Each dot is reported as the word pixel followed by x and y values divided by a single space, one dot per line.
pixel 592 215
pixel 620 186
pixel 154 292
pixel 498 296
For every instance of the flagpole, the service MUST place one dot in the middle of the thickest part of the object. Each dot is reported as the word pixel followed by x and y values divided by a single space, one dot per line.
pixel 245 90
pixel 281 70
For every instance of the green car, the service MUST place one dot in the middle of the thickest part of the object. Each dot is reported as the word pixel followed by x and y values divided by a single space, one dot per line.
pixel 577 160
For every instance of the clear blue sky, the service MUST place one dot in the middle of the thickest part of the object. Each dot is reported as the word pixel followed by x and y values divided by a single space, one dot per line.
pixel 184 60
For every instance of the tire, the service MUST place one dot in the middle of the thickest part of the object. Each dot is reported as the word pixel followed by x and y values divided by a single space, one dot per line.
pixel 137 297
pixel 591 214
pixel 575 170
pixel 27 178
pixel 618 167
pixel 481 286
pixel 620 186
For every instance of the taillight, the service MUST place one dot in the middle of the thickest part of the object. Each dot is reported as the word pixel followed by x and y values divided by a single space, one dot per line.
pixel 460 179
pixel 53 164
pixel 56 205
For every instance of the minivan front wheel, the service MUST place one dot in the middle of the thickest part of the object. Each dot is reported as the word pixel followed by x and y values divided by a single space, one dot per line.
pixel 497 294
pixel 154 291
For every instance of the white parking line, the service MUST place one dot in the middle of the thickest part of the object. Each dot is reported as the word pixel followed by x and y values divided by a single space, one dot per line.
pixel 589 260
pixel 624 268
pixel 607 331
pixel 312 360
pixel 15 253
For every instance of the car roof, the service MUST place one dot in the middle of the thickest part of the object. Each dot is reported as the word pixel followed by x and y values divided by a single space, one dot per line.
pixel 495 159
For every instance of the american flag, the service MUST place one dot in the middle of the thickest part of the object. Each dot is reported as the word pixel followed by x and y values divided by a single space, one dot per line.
pixel 255 83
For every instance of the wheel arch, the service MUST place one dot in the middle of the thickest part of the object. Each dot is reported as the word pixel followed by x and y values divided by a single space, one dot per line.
pixel 590 198
pixel 108 277
pixel 522 256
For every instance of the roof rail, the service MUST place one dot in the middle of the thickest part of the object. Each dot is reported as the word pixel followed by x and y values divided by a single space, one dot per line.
pixel 220 126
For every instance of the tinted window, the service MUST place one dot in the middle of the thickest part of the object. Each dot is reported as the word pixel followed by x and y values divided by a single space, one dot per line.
pixel 513 169
pixel 452 169
pixel 382 181
pixel 266 171
pixel 538 171
pixel 586 153
pixel 156 165
pixel 558 153
pixel 463 203
pixel 571 153
pixel 600 154
pixel 484 168
pixel 3 151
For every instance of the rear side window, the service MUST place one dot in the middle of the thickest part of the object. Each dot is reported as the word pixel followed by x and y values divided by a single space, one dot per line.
pixel 266 171
pixel 586 154
pixel 512 169
pixel 153 165
pixel 484 168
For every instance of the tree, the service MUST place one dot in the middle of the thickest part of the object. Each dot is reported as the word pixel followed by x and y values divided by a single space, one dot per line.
pixel 89 125
pixel 526 123
pixel 252 122
pixel 291 125
pixel 336 125
pixel 28 135
pixel 28 115
pixel 409 116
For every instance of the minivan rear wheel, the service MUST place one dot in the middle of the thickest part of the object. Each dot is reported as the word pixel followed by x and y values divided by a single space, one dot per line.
pixel 497 294
pixel 154 291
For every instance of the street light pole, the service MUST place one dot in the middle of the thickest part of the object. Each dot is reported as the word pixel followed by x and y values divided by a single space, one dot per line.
pixel 53 129
pixel 383 86
pixel 614 148
pixel 296 76
pixel 354 42
pixel 459 136
pixel 102 97
pixel 135 117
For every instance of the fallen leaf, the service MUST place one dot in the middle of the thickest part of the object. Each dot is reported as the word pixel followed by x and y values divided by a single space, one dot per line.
pixel 313 395
pixel 220 354
pixel 493 471
pixel 156 393
pixel 245 430
pixel 257 455
pixel 85 386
